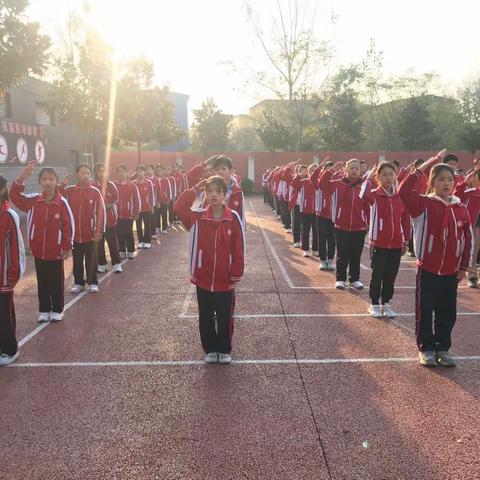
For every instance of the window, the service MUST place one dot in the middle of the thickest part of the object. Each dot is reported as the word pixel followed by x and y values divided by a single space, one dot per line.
pixel 44 115
pixel 5 105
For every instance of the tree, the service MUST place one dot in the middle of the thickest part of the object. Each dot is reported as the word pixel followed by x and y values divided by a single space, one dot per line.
pixel 273 132
pixel 165 130
pixel 23 50
pixel 244 139
pixel 211 128
pixel 469 101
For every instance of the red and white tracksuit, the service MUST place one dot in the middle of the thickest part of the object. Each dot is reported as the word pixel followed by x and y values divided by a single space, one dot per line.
pixel 128 207
pixel 147 203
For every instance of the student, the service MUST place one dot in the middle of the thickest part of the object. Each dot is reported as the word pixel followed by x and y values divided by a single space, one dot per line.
pixel 110 197
pixel 469 194
pixel 50 232
pixel 443 244
pixel 350 219
pixel 389 235
pixel 147 202
pixel 264 186
pixel 150 175
pixel 173 196
pixel 163 198
pixel 452 160
pixel 12 268
pixel 128 208
pixel 88 210
pixel 294 205
pixel 216 263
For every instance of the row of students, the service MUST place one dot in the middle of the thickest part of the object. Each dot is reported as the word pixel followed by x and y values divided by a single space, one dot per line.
pixel 442 233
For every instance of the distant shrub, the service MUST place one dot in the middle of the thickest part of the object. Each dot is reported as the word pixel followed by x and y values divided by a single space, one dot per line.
pixel 247 186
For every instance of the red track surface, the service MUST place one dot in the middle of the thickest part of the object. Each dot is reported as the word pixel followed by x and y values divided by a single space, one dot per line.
pixel 321 390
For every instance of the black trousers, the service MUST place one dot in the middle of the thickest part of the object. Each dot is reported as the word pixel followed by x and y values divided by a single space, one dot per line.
pixel 144 232
pixel 110 236
pixel 265 195
pixel 285 212
pixel 217 306
pixel 435 294
pixel 126 242
pixel 309 222
pixel 385 265
pixel 276 205
pixel 349 252
pixel 326 238
pixel 153 220
pixel 296 223
pixel 85 260
pixel 163 216
pixel 171 216
pixel 50 285
pixel 8 324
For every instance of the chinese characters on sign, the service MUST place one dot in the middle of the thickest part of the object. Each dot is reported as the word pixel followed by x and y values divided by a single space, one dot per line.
pixel 21 147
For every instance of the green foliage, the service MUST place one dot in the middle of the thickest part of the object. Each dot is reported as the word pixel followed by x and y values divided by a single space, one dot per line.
pixel 274 132
pixel 247 186
pixel 243 139
pixel 22 47
pixel 469 100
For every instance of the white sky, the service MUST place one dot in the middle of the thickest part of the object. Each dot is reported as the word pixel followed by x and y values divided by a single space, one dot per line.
pixel 187 39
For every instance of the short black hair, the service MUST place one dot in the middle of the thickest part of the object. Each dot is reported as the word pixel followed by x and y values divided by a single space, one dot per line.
pixel 418 162
pixel 3 185
pixel 82 165
pixel 222 160
pixel 50 170
pixel 121 167
pixel 396 163
pixel 140 167
pixel 150 166
pixel 450 158
pixel 97 167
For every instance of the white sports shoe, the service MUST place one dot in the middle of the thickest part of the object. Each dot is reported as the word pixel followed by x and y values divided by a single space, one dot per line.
pixel 141 245
pixel 43 317
pixel 340 285
pixel 7 359
pixel 122 255
pixel 101 268
pixel 357 285
pixel 93 289
pixel 314 253
pixel 375 311
pixel 77 288
pixel 163 232
pixel 289 230
pixel 387 311
pixel 211 357
pixel 330 266
pixel 117 268
pixel 306 253
pixel 296 245
pixel 56 316
pixel 323 265
pixel 224 358
pixel 147 245
pixel 131 255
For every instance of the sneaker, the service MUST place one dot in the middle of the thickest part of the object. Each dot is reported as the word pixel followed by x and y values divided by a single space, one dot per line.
pixel 375 311
pixel 123 255
pixel 131 255
pixel 387 311
pixel 224 358
pixel 157 231
pixel 141 245
pixel 43 317
pixel 306 253
pixel 117 268
pixel 296 245
pixel 444 359
pixel 77 288
pixel 472 283
pixel 56 316
pixel 163 232
pixel 340 285
pixel 315 254
pixel 330 266
pixel 411 254
pixel 427 359
pixel 101 268
pixel 357 285
pixel 323 265
pixel 289 230
pixel 147 245
pixel 211 357
pixel 7 359
pixel 93 289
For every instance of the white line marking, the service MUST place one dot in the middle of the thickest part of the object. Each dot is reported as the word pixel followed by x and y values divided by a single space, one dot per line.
pixel 324 315
pixel 186 302
pixel 72 302
pixel 182 363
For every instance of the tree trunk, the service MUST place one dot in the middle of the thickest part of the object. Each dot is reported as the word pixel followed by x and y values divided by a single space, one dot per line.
pixel 139 153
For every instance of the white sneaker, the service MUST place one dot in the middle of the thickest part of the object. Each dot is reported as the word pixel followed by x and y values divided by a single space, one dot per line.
pixel 7 359
pixel 157 231
pixel 123 255
pixel 101 268
pixel 387 311
pixel 306 253
pixel 77 288
pixel 43 317
pixel 93 289
pixel 224 358
pixel 323 265
pixel 357 285
pixel 289 230
pixel 131 255
pixel 117 268
pixel 211 357
pixel 141 245
pixel 147 245
pixel 296 245
pixel 164 232
pixel 340 285
pixel 330 266
pixel 375 311
pixel 315 254
pixel 56 316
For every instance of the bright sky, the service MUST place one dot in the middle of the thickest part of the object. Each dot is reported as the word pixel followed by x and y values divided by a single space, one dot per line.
pixel 188 39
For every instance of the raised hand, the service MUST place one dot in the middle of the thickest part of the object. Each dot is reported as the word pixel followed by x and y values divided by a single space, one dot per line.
pixel 67 178
pixel 337 167
pixel 27 171
pixel 200 186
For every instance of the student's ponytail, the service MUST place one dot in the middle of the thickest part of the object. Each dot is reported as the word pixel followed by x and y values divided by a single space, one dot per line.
pixel 3 186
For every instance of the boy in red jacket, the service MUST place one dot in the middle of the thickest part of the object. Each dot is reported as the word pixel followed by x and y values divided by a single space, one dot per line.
pixel 12 268
pixel 147 202
pixel 50 232
pixel 217 252
pixel 88 208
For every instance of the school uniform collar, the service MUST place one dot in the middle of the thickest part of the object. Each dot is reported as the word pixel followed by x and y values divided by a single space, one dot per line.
pixel 453 199
pixel 353 185
pixel 208 214
pixel 382 191
pixel 4 206
pixel 57 199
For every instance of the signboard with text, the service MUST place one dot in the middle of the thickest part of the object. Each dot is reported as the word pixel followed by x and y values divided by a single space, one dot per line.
pixel 20 142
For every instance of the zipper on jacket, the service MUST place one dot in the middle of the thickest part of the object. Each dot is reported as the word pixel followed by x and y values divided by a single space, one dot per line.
pixel 45 230
pixel 214 258
pixel 391 216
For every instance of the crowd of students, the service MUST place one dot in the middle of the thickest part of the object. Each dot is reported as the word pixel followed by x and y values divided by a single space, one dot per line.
pixel 81 218
pixel 429 205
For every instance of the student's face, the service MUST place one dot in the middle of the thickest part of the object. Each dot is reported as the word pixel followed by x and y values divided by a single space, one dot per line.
pixel 122 174
pixel 453 164
pixel 363 168
pixel 353 171
pixel 224 172
pixel 149 171
pixel 303 172
pixel 100 175
pixel 387 177
pixel 140 174
pixel 443 184
pixel 48 182
pixel 214 195
pixel 84 175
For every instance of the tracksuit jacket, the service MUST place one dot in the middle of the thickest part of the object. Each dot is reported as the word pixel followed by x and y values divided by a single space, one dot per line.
pixel 442 231
pixel 470 197
pixel 306 195
pixel 110 196
pixel 12 251
pixel 147 194
pixel 164 191
pixel 129 203
pixel 50 225
pixel 217 246
pixel 156 188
